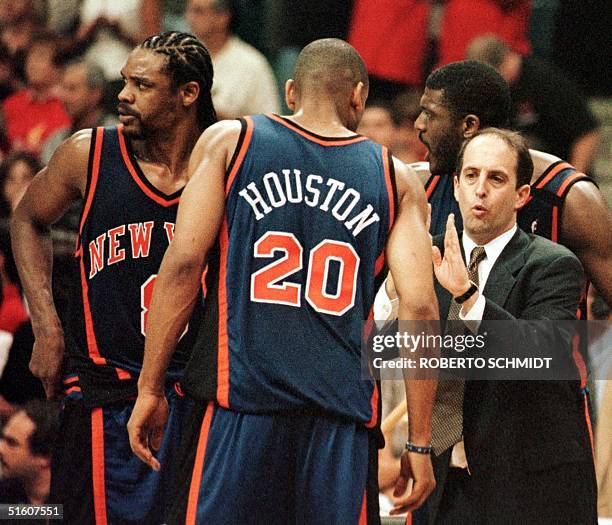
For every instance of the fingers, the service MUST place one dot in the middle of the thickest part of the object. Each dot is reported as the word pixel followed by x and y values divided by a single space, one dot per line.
pixel 139 442
pixel 436 256
pixel 157 435
pixel 401 485
pixel 413 500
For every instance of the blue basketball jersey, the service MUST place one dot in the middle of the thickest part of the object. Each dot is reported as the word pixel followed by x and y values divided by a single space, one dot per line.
pixel 126 226
pixel 542 213
pixel 440 194
pixel 294 273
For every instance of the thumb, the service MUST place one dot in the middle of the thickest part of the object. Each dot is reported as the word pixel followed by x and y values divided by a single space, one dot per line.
pixel 436 256
pixel 400 486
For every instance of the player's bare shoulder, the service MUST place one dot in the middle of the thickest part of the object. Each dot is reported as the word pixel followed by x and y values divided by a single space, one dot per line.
pixel 219 139
pixel 422 170
pixel 410 188
pixel 70 160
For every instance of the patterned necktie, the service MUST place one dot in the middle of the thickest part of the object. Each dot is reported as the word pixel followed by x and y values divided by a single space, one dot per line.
pixel 447 416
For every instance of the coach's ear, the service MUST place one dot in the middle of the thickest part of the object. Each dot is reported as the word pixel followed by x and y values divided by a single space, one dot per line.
pixel 290 97
pixel 470 125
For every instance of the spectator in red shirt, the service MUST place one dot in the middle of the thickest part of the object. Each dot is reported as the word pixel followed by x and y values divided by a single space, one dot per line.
pixel 34 113
pixel 464 20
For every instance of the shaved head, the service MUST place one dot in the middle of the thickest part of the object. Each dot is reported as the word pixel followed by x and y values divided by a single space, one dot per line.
pixel 329 65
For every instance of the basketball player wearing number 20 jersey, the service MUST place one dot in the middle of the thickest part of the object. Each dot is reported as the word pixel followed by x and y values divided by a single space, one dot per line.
pixel 298 260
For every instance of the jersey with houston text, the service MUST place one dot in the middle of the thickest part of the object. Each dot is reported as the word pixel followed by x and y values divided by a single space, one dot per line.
pixel 294 273
pixel 126 226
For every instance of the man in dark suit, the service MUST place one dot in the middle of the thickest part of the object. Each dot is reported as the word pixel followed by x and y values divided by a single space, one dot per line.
pixel 521 452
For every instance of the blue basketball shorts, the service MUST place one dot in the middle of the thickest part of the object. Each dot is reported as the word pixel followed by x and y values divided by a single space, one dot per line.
pixel 95 474
pixel 301 468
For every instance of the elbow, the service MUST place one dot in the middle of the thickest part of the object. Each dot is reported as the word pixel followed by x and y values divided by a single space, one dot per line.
pixel 421 311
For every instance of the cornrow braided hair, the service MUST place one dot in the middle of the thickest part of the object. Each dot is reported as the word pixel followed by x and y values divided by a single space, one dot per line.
pixel 188 61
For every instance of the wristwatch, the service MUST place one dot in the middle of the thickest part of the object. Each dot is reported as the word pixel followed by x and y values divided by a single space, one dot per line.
pixel 470 291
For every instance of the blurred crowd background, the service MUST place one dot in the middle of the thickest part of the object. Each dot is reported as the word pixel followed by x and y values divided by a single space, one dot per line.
pixel 60 63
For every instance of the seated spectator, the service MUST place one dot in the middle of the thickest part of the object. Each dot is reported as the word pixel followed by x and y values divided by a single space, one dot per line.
pixel 16 173
pixel 377 124
pixel 8 80
pixel 392 125
pixel 17 384
pixel 546 107
pixel 26 449
pixel 19 21
pixel 243 83
pixel 391 36
pixel 81 91
pixel 405 110
pixel 464 20
pixel 34 113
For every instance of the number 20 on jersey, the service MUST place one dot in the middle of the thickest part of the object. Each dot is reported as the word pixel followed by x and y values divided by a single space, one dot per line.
pixel 268 285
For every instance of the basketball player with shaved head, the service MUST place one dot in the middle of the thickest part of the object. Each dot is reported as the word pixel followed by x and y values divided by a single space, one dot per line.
pixel 294 216
pixel 130 178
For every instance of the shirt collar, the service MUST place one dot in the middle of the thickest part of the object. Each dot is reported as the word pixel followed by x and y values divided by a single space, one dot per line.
pixel 493 248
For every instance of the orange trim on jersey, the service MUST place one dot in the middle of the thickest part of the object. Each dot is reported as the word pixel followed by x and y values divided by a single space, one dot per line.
pixel 409 519
pixel 72 389
pixel 553 173
pixel 389 183
pixel 198 467
pixel 363 515
pixel 71 379
pixel 146 190
pixel 95 172
pixel 432 186
pixel 222 340
pixel 241 154
pixel 123 374
pixel 92 344
pixel 97 465
pixel 374 403
pixel 555 220
pixel 567 182
pixel 203 281
pixel 313 138
pixel 380 263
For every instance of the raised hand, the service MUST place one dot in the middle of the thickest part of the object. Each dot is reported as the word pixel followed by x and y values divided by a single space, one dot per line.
pixel 450 270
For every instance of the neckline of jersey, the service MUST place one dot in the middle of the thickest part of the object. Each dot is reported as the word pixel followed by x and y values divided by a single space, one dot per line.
pixel 325 138
pixel 131 158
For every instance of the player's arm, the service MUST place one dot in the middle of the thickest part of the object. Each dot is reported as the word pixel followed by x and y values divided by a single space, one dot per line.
pixel 409 259
pixel 583 150
pixel 199 218
pixel 51 192
pixel 586 224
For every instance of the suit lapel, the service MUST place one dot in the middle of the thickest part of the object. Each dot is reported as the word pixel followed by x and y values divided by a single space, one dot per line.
pixel 442 294
pixel 502 276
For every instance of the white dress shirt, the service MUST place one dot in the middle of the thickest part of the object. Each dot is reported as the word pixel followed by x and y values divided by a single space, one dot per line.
pixel 493 250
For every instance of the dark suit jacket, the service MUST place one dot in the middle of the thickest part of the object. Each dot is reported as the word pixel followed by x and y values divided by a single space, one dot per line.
pixel 526 442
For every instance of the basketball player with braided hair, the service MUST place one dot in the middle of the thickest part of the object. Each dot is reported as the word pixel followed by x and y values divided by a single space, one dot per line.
pixel 130 178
